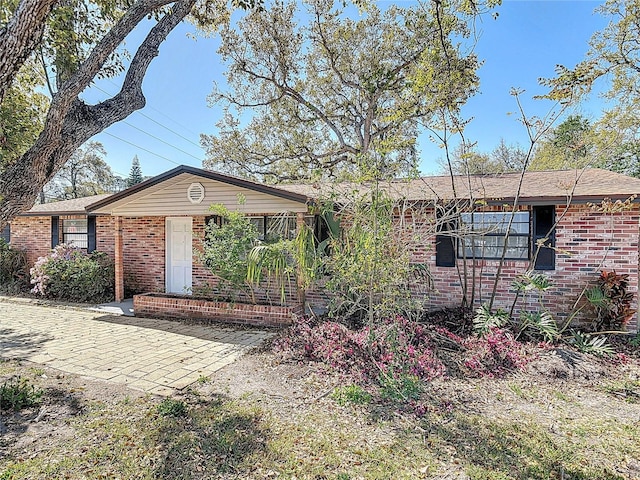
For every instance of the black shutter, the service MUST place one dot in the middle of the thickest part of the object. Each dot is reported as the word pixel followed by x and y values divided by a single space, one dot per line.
pixel 445 244
pixel 544 217
pixel 5 234
pixel 217 219
pixel 55 231
pixel 445 251
pixel 91 234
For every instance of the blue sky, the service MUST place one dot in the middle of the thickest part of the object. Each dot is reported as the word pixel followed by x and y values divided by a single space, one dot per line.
pixel 524 43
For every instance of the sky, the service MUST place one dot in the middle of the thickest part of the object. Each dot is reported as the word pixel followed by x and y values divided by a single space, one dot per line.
pixel 525 42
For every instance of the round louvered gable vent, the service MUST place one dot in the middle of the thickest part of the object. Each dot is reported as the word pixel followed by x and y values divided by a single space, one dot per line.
pixel 195 193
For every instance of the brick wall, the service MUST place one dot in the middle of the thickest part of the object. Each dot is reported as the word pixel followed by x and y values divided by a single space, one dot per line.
pixel 174 306
pixel 586 243
pixel 105 234
pixel 33 235
pixel 143 253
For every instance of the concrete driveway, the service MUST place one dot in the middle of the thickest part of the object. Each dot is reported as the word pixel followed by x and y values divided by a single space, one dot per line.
pixel 155 356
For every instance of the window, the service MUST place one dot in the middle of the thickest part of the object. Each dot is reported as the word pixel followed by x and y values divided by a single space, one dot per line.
pixel 216 219
pixel 75 232
pixel 270 228
pixel 5 233
pixel 281 227
pixel 486 235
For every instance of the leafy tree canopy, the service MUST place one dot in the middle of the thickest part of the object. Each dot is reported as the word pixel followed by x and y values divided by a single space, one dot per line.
pixel 85 173
pixel 569 145
pixel 467 160
pixel 322 98
pixel 614 54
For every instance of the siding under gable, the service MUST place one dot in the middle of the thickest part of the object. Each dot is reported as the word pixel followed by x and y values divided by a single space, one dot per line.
pixel 170 198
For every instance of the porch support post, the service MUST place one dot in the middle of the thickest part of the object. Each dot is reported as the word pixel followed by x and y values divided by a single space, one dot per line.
pixel 301 297
pixel 119 263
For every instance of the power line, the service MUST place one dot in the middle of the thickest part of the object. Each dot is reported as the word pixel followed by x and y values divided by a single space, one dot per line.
pixel 160 140
pixel 161 125
pixel 141 148
pixel 155 121
pixel 153 136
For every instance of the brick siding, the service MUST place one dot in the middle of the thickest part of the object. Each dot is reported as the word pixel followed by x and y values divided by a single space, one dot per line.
pixel 143 253
pixel 586 243
pixel 105 234
pixel 33 235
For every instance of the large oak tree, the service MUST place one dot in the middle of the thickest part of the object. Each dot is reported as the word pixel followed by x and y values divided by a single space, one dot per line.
pixel 314 94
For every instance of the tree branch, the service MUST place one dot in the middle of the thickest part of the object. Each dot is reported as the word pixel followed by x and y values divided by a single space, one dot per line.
pixel 70 122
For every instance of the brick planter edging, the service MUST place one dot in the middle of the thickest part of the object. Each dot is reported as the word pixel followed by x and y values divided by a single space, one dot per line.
pixel 160 305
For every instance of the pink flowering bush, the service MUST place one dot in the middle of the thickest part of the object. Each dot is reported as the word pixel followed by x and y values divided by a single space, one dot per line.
pixel 494 355
pixel 395 353
pixel 69 273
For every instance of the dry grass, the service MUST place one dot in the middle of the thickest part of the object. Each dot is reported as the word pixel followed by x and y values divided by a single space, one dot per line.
pixel 257 420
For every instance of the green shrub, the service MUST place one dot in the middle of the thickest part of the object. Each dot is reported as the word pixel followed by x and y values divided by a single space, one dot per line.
pixel 400 387
pixel 13 269
pixel 172 408
pixel 226 249
pixel 593 344
pixel 69 273
pixel 17 393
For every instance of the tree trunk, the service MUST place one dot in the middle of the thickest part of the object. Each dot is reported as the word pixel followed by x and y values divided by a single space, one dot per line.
pixel 19 38
pixel 70 122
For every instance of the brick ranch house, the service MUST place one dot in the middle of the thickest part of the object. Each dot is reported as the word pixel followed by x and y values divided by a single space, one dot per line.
pixel 154 229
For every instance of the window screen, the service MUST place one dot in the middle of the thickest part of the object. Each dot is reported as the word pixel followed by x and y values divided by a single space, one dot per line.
pixel 74 232
pixel 486 235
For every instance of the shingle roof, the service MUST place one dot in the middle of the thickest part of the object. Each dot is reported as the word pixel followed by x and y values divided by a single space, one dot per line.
pixel 585 185
pixel 75 206
pixel 582 185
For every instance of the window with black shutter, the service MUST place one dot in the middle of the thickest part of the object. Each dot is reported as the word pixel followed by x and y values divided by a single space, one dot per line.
pixel 75 231
pixel 544 217
pixel 493 234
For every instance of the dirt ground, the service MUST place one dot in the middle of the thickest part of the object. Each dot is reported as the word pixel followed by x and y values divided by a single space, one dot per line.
pixel 561 386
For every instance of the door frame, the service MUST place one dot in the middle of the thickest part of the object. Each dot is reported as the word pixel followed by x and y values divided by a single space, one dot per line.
pixel 167 252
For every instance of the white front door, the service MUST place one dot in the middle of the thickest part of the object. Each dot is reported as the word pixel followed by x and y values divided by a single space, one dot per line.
pixel 179 255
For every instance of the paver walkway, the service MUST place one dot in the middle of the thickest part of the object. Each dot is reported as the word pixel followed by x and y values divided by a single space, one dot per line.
pixel 156 356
